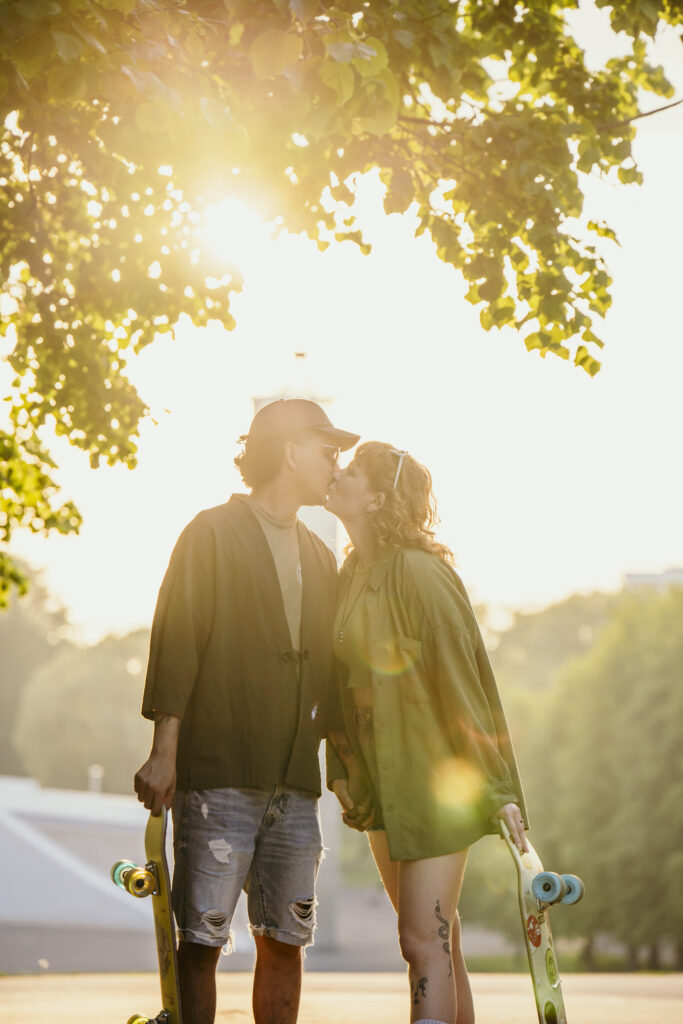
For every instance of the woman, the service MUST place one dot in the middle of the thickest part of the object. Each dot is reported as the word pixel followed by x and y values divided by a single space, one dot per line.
pixel 425 728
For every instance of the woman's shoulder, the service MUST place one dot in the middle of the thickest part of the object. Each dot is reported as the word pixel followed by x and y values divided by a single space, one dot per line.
pixel 440 588
pixel 427 565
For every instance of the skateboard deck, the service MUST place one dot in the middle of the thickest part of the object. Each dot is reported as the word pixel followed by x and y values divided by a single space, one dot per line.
pixel 153 880
pixel 538 891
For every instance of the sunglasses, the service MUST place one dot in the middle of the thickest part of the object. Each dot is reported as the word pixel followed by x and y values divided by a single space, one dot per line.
pixel 331 451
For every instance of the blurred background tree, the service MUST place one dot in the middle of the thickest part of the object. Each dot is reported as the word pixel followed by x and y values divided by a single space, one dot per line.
pixel 602 764
pixel 31 631
pixel 82 708
pixel 123 120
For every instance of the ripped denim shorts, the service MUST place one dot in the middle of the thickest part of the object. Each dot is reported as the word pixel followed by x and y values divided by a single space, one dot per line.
pixel 266 842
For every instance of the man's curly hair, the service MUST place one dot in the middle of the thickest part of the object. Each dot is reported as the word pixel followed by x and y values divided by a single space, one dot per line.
pixel 408 515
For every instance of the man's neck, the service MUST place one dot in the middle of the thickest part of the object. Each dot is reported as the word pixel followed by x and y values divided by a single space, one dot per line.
pixel 278 501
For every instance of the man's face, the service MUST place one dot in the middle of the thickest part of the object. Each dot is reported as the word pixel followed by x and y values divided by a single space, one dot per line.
pixel 316 468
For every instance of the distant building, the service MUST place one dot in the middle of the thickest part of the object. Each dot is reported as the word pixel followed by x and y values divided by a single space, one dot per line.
pixel 668 578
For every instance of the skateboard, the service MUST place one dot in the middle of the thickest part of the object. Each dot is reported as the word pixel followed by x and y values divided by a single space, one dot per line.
pixel 538 891
pixel 153 880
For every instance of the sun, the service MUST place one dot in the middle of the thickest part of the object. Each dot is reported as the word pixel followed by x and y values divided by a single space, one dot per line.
pixel 235 233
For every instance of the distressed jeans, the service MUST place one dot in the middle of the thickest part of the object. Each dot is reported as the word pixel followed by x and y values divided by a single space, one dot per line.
pixel 265 842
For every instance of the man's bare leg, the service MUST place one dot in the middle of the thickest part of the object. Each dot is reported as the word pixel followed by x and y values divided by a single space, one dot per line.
pixel 277 981
pixel 197 979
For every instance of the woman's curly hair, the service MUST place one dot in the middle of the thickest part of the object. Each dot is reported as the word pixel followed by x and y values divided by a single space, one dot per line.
pixel 408 515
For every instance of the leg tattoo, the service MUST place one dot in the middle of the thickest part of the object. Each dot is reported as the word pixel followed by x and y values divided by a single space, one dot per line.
pixel 420 989
pixel 444 933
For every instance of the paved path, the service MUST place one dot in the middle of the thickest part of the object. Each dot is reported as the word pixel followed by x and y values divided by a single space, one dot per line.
pixel 344 998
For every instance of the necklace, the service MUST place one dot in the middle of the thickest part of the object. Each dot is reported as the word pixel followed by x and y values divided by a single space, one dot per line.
pixel 347 611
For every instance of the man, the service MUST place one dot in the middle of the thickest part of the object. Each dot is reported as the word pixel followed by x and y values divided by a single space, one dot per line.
pixel 239 686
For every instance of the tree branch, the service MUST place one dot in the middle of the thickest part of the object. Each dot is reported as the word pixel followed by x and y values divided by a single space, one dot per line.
pixel 636 117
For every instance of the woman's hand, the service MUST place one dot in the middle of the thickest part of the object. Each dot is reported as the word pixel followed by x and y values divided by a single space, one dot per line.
pixel 357 809
pixel 512 816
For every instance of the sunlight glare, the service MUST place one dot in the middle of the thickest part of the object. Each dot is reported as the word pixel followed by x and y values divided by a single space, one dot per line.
pixel 235 232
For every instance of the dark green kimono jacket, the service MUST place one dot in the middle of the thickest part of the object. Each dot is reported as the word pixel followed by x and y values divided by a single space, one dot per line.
pixel 252 710
pixel 444 754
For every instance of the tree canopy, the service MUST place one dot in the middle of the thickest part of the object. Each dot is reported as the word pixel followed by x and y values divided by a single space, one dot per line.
pixel 601 762
pixel 125 119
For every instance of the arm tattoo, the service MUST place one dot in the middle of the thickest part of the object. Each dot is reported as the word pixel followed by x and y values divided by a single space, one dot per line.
pixel 444 933
pixel 161 718
pixel 341 744
pixel 419 989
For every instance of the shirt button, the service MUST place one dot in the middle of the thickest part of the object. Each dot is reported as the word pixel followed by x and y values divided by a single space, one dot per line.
pixel 390 807
pixel 385 767
pixel 381 723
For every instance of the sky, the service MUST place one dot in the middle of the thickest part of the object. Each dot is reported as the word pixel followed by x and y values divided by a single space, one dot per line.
pixel 548 482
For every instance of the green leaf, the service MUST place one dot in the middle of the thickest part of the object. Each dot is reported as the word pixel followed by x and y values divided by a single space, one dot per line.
pixel 303 10
pixel 400 192
pixel 405 37
pixel 341 50
pixel 272 51
pixel 68 47
pixel 124 6
pixel 371 57
pixel 215 112
pixel 603 229
pixel 37 10
pixel 338 77
pixel 630 176
pixel 585 360
pixel 66 82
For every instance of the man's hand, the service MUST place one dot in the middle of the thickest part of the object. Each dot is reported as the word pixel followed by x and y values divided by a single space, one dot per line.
pixel 512 816
pixel 155 782
pixel 357 813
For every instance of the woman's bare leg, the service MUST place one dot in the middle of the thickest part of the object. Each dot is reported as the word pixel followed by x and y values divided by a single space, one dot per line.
pixel 388 868
pixel 425 894
pixel 463 992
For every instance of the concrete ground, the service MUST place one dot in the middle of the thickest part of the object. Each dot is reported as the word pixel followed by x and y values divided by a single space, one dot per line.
pixel 344 998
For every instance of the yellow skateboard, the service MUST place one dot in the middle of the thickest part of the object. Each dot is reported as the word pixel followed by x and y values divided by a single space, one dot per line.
pixel 538 891
pixel 153 879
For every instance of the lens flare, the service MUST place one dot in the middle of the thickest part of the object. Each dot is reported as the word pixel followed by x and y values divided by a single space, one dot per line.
pixel 392 657
pixel 457 784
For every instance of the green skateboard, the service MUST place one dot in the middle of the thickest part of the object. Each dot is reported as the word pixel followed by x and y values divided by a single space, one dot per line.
pixel 153 879
pixel 538 891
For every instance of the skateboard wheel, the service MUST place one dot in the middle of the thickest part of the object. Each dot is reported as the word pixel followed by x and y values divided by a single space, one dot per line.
pixel 137 1019
pixel 549 887
pixel 137 881
pixel 118 870
pixel 575 889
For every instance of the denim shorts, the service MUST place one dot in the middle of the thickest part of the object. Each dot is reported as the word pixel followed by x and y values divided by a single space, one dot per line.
pixel 266 842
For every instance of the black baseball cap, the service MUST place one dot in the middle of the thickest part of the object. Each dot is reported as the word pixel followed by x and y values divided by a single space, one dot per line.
pixel 292 416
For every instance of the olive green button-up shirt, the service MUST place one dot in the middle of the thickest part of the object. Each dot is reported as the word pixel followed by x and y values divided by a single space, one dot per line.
pixel 444 754
pixel 253 710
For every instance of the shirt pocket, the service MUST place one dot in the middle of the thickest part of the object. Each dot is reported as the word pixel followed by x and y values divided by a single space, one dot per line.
pixel 411 684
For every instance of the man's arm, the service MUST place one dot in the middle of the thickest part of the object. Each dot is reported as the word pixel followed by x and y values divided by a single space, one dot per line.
pixel 351 791
pixel 155 781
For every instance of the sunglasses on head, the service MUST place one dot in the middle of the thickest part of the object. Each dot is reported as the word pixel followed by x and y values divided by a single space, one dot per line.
pixel 401 457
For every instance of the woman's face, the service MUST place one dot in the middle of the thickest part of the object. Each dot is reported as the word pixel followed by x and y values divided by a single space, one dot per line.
pixel 350 494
